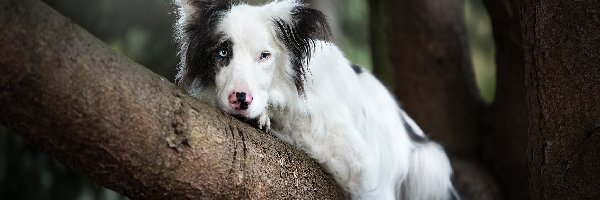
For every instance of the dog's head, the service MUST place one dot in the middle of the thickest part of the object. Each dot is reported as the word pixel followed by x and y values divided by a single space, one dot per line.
pixel 232 54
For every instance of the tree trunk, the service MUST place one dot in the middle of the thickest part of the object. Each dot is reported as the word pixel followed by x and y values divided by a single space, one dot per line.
pixel 420 49
pixel 129 129
pixel 505 136
pixel 562 39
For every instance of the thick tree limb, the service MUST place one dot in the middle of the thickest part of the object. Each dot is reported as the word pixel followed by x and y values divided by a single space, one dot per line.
pixel 505 136
pixel 129 129
pixel 561 45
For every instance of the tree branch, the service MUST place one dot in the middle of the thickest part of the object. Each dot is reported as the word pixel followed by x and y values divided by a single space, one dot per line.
pixel 130 129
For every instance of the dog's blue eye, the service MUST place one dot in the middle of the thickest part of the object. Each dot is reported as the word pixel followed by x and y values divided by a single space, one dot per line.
pixel 223 53
pixel 265 55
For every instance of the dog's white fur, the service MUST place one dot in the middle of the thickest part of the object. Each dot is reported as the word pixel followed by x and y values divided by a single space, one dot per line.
pixel 347 121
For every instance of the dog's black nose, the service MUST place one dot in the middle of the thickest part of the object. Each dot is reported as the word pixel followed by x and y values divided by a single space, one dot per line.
pixel 240 100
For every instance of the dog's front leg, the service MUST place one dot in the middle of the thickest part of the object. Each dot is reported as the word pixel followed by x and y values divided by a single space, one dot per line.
pixel 342 151
pixel 264 123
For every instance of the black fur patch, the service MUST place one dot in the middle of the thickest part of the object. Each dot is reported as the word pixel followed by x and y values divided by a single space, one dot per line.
pixel 299 37
pixel 200 44
pixel 412 134
pixel 357 69
pixel 227 47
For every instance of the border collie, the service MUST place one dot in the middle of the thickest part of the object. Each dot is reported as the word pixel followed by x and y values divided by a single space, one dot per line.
pixel 273 63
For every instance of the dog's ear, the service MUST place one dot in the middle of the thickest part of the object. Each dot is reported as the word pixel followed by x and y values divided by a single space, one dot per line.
pixel 191 10
pixel 298 28
pixel 196 38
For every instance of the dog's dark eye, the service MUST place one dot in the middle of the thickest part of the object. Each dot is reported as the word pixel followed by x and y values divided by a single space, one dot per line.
pixel 222 53
pixel 265 55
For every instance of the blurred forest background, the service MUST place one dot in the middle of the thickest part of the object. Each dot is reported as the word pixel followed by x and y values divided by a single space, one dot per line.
pixel 142 30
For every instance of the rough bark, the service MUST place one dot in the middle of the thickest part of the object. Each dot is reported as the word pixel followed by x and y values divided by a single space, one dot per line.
pixel 505 134
pixel 562 39
pixel 130 129
pixel 420 49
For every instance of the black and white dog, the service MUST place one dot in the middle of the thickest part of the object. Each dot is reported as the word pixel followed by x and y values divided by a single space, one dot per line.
pixel 272 63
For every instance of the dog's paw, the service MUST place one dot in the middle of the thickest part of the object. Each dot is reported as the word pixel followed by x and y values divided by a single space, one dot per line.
pixel 264 123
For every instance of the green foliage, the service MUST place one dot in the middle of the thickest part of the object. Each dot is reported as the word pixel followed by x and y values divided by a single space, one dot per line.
pixel 355 35
pixel 481 45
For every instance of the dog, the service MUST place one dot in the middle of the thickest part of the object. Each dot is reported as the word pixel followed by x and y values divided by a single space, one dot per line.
pixel 273 63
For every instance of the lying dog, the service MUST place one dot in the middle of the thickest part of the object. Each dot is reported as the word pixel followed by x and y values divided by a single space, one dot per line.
pixel 272 63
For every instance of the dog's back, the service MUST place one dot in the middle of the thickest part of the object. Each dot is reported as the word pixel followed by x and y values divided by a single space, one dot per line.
pixel 392 154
